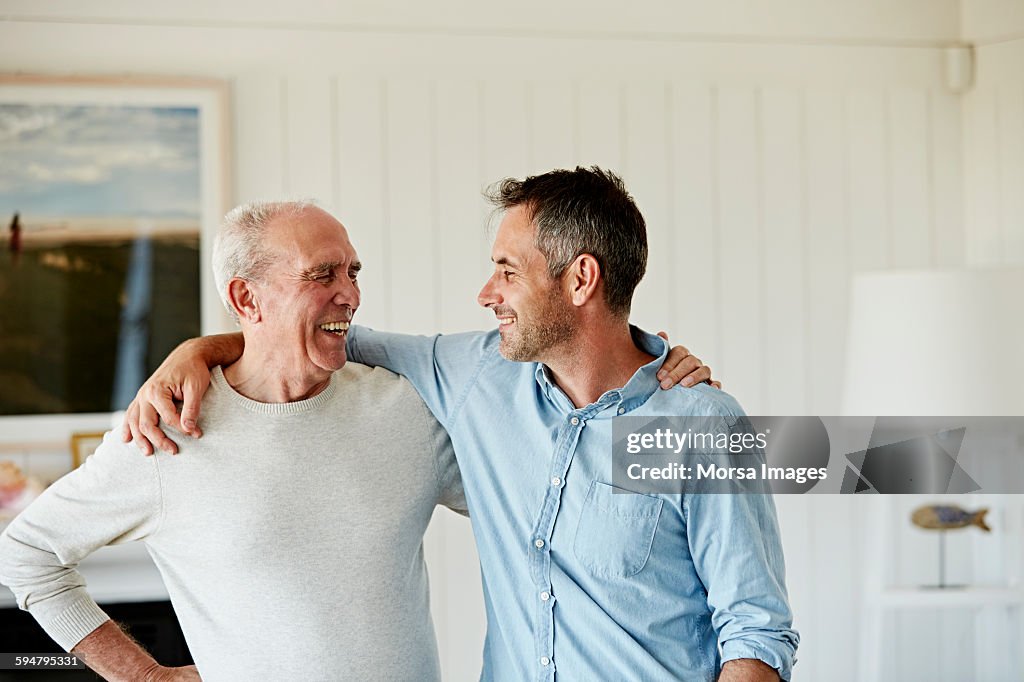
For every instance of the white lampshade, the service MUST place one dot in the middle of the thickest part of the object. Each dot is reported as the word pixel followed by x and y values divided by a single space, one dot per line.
pixel 940 342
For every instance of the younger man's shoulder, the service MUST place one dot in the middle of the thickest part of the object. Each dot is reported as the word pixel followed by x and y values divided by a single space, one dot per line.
pixel 701 399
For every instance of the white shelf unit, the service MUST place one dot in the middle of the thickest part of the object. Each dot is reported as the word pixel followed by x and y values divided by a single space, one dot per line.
pixel 997 610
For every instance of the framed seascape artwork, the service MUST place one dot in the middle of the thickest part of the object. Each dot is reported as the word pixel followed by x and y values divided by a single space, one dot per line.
pixel 110 192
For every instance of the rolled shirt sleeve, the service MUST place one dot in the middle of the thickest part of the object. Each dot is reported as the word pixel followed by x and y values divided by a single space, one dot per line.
pixel 737 552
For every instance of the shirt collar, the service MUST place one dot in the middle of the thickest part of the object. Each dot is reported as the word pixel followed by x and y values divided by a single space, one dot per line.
pixel 640 387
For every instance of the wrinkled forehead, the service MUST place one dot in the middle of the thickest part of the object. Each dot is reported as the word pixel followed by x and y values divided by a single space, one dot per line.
pixel 311 235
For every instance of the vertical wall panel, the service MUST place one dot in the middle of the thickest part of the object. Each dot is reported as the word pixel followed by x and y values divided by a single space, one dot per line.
pixel 1010 162
pixel 869 184
pixel 464 258
pixel 259 138
pixel 552 126
pixel 413 246
pixel 910 128
pixel 695 245
pixel 783 249
pixel 646 155
pixel 783 342
pixel 825 209
pixel 949 233
pixel 827 247
pixel 981 174
pixel 740 273
pixel 506 137
pixel 600 124
pixel 310 162
pixel 362 191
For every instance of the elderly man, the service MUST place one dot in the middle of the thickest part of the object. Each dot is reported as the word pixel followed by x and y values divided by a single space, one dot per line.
pixel 290 537
pixel 582 583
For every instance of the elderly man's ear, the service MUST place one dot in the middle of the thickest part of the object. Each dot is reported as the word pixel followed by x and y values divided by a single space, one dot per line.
pixel 243 300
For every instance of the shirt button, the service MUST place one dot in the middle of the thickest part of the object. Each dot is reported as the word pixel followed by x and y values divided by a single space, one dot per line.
pixel 556 481
pixel 538 543
pixel 574 421
pixel 544 660
pixel 544 596
pixel 622 410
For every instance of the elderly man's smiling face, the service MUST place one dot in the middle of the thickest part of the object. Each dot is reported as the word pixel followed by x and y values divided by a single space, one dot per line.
pixel 310 292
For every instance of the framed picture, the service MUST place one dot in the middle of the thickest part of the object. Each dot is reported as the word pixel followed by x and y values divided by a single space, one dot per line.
pixel 110 193
pixel 84 444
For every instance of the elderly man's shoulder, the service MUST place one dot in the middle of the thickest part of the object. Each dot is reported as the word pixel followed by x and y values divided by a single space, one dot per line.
pixel 376 382
pixel 114 454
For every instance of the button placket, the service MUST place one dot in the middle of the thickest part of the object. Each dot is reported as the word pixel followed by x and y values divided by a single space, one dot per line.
pixel 565 449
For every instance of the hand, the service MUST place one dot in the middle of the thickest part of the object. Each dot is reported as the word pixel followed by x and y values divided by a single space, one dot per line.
pixel 183 376
pixel 682 368
pixel 188 673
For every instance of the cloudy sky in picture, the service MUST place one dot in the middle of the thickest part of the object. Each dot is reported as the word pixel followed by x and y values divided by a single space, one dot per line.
pixel 91 161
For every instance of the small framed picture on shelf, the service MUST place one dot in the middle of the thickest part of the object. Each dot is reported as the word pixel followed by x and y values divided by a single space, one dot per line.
pixel 84 444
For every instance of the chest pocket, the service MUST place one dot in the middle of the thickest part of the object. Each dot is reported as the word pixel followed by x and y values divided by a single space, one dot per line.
pixel 616 531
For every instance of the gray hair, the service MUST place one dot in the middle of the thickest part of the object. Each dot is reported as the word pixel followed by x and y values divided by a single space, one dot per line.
pixel 586 210
pixel 239 249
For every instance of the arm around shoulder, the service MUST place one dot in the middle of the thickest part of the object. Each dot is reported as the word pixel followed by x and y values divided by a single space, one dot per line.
pixel 441 367
pixel 182 377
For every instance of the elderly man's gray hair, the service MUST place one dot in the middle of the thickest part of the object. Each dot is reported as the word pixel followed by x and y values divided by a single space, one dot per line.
pixel 240 249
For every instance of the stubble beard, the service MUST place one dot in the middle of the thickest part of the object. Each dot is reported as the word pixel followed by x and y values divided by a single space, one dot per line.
pixel 531 341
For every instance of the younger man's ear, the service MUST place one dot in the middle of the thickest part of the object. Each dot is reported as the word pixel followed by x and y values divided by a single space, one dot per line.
pixel 584 276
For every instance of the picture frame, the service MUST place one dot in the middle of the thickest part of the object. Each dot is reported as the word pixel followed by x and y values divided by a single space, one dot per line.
pixel 83 444
pixel 148 154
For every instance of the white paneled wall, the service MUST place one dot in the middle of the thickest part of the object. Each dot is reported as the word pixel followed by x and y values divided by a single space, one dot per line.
pixel 761 201
pixel 771 167
pixel 994 156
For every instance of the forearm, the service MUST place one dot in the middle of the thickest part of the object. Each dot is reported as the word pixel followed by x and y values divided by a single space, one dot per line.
pixel 748 670
pixel 218 349
pixel 115 656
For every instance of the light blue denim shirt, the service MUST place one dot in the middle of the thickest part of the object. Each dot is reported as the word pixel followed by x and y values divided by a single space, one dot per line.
pixel 578 584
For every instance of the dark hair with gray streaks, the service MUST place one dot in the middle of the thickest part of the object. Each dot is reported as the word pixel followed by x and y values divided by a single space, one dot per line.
pixel 239 251
pixel 586 210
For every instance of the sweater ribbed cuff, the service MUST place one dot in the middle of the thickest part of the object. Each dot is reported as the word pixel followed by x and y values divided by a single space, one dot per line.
pixel 75 622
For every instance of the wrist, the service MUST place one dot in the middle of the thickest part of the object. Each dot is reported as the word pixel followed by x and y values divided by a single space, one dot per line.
pixel 202 349
pixel 156 673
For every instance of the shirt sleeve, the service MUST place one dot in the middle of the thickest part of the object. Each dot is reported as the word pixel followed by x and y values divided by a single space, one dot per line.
pixel 441 368
pixel 112 498
pixel 737 551
pixel 449 481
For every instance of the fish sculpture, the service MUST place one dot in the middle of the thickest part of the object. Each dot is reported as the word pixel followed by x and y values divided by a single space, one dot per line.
pixel 947 517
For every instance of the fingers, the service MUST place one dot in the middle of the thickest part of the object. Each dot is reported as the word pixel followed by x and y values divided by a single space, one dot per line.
pixel 130 423
pixel 151 432
pixel 135 426
pixel 663 335
pixel 191 398
pixel 717 384
pixel 670 368
pixel 165 407
pixel 697 376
